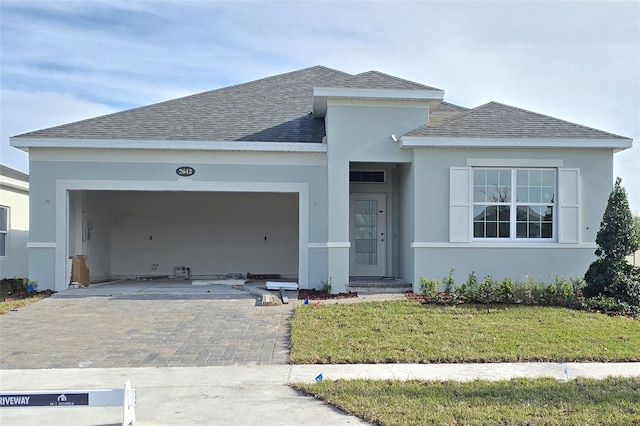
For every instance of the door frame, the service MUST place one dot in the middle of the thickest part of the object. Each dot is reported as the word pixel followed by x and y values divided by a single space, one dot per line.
pixel 381 269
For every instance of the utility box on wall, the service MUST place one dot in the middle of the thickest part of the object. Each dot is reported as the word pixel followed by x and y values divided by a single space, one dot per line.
pixel 182 272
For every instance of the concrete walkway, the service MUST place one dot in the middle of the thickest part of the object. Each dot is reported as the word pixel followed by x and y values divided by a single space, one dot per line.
pixel 249 395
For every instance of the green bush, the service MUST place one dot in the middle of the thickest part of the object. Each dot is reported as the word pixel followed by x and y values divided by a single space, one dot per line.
pixel 429 288
pixel 469 290
pixel 610 275
pixel 16 287
pixel 609 305
pixel 505 291
pixel 327 286
pixel 449 282
pixel 561 292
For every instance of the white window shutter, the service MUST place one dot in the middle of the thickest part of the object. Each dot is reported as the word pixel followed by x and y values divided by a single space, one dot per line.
pixel 460 204
pixel 568 206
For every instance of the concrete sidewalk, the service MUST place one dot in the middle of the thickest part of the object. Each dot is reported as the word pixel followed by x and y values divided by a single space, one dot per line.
pixel 249 395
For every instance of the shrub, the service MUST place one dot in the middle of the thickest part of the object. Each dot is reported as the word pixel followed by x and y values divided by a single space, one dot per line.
pixel 610 275
pixel 487 290
pixel 505 291
pixel 327 286
pixel 429 288
pixel 449 282
pixel 469 290
pixel 608 305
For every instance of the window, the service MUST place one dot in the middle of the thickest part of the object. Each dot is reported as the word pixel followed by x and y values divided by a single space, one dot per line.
pixel 513 203
pixel 366 177
pixel 538 200
pixel 4 229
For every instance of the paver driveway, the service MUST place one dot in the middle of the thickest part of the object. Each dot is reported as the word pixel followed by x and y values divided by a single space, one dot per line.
pixel 148 324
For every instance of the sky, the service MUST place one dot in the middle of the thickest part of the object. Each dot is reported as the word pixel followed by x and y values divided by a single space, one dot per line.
pixel 63 61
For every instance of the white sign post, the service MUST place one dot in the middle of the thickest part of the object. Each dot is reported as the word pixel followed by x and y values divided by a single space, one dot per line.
pixel 76 398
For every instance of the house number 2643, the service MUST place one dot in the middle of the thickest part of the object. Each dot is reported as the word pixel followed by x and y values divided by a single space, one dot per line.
pixel 185 171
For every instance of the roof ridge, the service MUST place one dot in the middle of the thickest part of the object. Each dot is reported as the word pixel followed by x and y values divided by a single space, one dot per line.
pixel 462 114
pixel 455 105
pixel 404 80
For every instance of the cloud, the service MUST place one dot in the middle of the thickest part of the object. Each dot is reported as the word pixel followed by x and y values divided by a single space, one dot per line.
pixel 578 61
pixel 27 111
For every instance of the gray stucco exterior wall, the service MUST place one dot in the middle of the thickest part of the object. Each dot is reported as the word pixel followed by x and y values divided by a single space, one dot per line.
pixel 52 181
pixel 518 260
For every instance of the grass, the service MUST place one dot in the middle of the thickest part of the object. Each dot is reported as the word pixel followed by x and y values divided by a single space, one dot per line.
pixel 6 307
pixel 511 402
pixel 407 332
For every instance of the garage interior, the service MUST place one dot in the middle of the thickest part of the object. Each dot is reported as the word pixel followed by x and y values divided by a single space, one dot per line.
pixel 134 234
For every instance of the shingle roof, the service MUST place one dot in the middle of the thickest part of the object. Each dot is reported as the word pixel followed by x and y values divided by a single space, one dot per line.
pixel 450 108
pixel 444 111
pixel 378 80
pixel 272 109
pixel 13 174
pixel 496 120
pixel 278 109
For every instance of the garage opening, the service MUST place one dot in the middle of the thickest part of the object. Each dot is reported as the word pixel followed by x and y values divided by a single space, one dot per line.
pixel 126 234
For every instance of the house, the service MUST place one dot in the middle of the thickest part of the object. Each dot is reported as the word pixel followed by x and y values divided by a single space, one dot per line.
pixel 14 223
pixel 318 174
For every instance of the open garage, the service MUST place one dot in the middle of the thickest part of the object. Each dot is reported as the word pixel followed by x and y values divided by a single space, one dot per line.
pixel 150 233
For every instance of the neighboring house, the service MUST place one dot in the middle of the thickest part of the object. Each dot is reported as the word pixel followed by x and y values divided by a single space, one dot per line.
pixel 14 223
pixel 318 174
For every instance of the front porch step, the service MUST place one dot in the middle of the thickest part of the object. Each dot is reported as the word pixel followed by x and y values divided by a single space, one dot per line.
pixel 379 285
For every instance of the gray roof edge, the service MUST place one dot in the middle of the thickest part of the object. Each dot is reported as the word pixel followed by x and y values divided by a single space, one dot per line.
pixel 8 172
pixel 175 144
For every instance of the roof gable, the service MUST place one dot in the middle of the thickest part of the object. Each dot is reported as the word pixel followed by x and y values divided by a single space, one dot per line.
pixel 496 120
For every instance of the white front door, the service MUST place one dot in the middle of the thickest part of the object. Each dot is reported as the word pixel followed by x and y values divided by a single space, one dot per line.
pixel 368 234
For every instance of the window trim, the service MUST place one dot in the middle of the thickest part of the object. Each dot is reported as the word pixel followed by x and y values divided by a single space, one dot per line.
pixel 568 210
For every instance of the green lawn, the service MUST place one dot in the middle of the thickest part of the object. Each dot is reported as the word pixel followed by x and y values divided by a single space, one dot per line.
pixel 405 331
pixel 614 401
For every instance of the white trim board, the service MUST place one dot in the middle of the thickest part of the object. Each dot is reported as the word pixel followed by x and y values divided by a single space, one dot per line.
pixel 41 245
pixel 14 183
pixel 151 144
pixel 511 163
pixel 331 244
pixel 506 245
pixel 470 142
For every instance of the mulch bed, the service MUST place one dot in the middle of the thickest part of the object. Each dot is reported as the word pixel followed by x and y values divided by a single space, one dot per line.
pixel 421 298
pixel 443 299
pixel 13 288
pixel 313 294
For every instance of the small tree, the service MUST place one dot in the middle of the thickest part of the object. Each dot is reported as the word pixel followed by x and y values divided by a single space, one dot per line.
pixel 611 275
